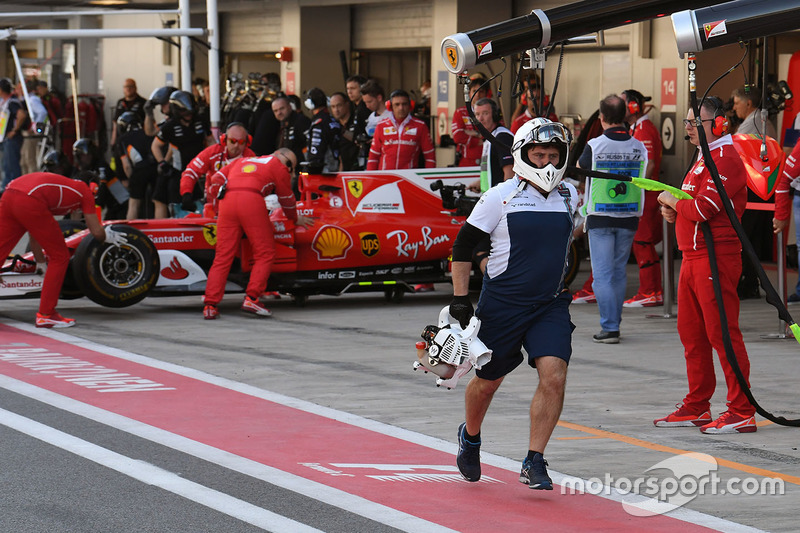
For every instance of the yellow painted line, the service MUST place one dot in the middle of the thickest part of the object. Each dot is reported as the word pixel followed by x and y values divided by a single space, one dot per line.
pixel 764 423
pixel 795 480
pixel 580 438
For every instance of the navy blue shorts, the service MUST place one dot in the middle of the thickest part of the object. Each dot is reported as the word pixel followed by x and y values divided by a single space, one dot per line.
pixel 544 329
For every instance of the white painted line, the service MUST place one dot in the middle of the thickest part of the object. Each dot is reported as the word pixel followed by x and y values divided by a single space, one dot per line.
pixel 311 489
pixel 153 475
pixel 683 514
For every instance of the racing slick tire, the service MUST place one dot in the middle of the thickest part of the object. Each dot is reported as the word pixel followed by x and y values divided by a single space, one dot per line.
pixel 300 299
pixel 395 295
pixel 70 289
pixel 117 276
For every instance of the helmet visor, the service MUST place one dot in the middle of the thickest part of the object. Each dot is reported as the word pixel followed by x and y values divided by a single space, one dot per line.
pixel 547 133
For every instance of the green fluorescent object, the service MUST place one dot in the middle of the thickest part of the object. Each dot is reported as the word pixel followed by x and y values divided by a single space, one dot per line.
pixel 652 185
pixel 796 331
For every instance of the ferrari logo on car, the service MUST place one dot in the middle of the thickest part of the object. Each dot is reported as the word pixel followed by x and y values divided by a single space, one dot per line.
pixel 210 234
pixel 355 187
pixel 331 243
pixel 370 244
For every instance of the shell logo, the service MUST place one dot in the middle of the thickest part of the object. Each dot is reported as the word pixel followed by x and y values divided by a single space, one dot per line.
pixel 247 169
pixel 331 243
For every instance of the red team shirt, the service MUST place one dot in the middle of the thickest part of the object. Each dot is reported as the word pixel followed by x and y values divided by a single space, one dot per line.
pixel 645 131
pixel 208 161
pixel 783 200
pixel 61 195
pixel 263 175
pixel 706 204
pixel 470 148
pixel 397 146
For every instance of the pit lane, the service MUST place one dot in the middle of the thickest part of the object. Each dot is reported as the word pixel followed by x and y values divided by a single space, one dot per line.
pixel 354 354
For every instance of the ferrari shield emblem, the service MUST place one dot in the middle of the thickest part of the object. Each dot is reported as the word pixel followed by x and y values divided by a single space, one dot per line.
pixel 452 56
pixel 210 234
pixel 355 187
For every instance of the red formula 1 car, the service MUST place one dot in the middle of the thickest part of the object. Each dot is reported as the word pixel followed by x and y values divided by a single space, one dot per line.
pixel 372 231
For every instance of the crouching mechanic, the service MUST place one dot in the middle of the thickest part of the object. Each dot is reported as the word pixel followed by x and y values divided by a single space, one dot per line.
pixel 29 204
pixel 242 210
pixel 233 144
pixel 524 302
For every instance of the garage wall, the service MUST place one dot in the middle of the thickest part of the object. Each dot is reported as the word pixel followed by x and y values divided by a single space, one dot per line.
pixel 325 31
pixel 385 26
pixel 141 59
pixel 251 32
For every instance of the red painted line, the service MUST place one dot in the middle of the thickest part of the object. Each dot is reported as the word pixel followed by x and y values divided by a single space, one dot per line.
pixel 308 445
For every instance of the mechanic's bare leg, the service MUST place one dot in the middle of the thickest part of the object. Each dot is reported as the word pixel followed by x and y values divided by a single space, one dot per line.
pixel 548 400
pixel 477 397
pixel 161 210
pixel 133 208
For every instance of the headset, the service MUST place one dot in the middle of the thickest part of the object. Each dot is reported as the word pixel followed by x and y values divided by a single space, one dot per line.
pixel 495 108
pixel 224 137
pixel 721 122
pixel 315 94
pixel 634 100
pixel 399 92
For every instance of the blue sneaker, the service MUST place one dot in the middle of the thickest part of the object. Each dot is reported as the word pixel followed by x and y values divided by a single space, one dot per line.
pixel 793 298
pixel 469 456
pixel 534 473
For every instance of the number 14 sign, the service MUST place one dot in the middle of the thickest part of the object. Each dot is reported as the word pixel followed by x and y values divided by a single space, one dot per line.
pixel 669 83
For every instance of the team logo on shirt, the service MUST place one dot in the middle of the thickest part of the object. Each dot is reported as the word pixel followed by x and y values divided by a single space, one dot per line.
pixel 356 188
pixel 389 130
pixel 331 243
pixel 370 244
pixel 247 169
pixel 411 131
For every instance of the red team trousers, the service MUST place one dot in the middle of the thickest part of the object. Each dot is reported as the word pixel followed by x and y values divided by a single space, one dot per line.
pixel 700 331
pixel 649 234
pixel 242 212
pixel 20 213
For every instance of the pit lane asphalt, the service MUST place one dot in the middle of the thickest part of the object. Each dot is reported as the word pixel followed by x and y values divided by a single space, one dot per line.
pixel 354 353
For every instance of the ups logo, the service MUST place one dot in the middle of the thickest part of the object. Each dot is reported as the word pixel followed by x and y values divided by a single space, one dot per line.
pixel 370 244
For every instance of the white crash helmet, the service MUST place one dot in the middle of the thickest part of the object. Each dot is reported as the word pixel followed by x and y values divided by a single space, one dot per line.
pixel 541 131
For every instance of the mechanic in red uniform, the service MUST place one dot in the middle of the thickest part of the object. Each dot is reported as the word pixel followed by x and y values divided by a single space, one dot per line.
pixel 469 142
pixel 29 204
pixel 787 195
pixel 530 99
pixel 242 210
pixel 233 144
pixel 400 138
pixel 650 231
pixel 698 320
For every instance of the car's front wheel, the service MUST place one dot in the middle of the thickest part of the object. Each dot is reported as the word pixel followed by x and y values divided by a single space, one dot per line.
pixel 116 276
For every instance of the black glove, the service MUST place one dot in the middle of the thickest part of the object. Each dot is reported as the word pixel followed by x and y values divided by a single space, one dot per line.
pixel 461 309
pixel 164 168
pixel 187 202
pixel 149 106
